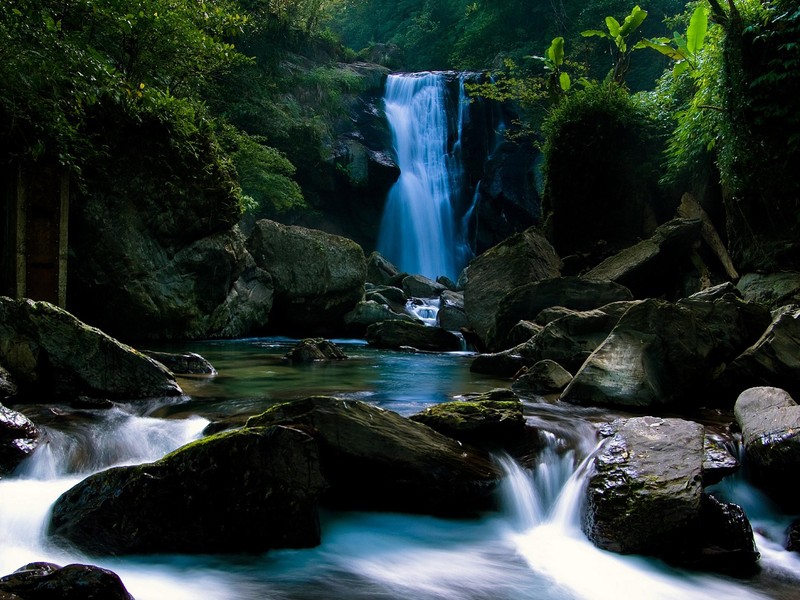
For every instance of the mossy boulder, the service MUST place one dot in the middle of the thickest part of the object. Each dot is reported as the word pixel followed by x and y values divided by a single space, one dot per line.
pixel 375 459
pixel 241 491
pixel 51 354
pixel 493 419
pixel 189 363
pixel 645 491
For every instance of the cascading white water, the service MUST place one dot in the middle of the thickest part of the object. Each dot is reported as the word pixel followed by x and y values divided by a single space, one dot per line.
pixel 418 231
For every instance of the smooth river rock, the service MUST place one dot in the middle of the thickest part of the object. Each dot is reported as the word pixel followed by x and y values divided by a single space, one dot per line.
pixel 399 334
pixel 18 439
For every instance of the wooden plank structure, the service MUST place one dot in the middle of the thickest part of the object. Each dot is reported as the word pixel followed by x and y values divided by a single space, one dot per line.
pixel 34 222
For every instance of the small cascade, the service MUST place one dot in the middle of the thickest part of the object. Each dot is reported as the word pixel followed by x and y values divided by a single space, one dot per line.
pixel 418 230
pixel 424 309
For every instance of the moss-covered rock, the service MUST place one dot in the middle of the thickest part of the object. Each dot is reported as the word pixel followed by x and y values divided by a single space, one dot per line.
pixel 50 353
pixel 377 460
pixel 241 491
pixel 493 419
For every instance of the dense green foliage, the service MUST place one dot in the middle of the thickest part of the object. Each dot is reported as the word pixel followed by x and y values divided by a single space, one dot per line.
pixel 72 67
pixel 602 156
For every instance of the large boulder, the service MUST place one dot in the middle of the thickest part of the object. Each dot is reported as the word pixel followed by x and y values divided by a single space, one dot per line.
pixel 47 581
pixel 50 353
pixel 242 491
pixel 568 340
pixel 772 360
pixel 18 439
pixel 493 419
pixel 770 423
pixel 521 259
pixel 399 334
pixel 544 377
pixel 644 494
pixel 661 354
pixel 377 460
pixel 317 277
pixel 645 267
pixel 527 301
pixel 379 270
pixel 418 286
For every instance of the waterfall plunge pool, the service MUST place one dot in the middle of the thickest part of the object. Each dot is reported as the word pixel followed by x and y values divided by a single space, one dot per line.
pixel 531 549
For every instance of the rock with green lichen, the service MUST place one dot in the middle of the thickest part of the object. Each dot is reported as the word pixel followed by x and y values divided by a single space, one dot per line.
pixel 375 459
pixel 493 419
pixel 242 491
pixel 51 354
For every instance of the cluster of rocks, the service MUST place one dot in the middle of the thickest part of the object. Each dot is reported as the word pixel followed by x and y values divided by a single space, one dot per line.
pixel 48 581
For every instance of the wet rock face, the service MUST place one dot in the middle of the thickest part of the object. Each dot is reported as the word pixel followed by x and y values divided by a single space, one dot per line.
pixel 377 460
pixel 18 439
pixel 49 352
pixel 727 542
pixel 770 423
pixel 239 491
pixel 644 495
pixel 47 581
pixel 183 364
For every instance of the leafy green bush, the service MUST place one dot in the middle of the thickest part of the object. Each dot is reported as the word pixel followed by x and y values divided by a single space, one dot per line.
pixel 601 168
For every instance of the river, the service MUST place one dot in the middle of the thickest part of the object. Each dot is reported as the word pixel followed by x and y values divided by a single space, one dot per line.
pixel 531 549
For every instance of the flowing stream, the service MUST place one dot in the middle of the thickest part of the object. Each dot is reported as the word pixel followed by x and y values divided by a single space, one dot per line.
pixel 418 231
pixel 531 549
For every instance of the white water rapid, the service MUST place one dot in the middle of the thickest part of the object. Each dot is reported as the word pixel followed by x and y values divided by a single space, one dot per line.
pixel 418 231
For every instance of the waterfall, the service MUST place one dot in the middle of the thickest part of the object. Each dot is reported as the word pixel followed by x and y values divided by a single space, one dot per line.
pixel 418 231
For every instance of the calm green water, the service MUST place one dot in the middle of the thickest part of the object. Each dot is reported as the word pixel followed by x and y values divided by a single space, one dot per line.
pixel 252 375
